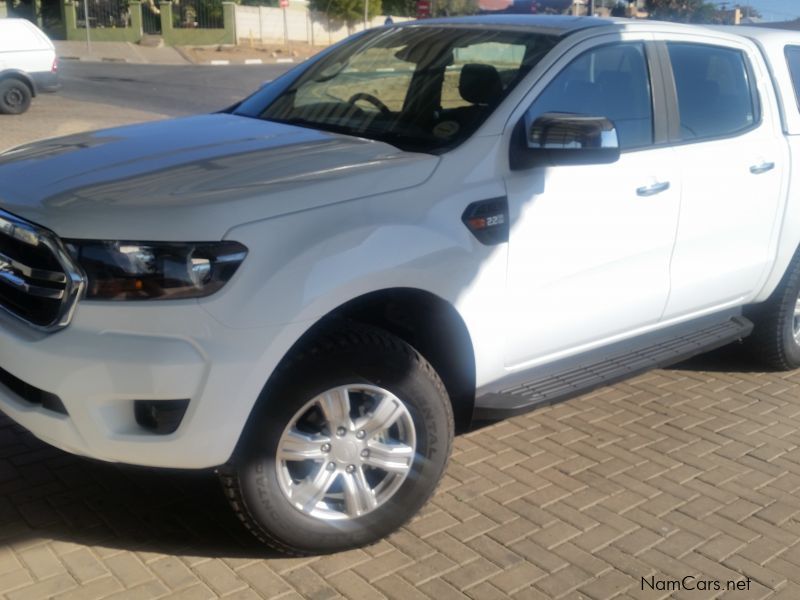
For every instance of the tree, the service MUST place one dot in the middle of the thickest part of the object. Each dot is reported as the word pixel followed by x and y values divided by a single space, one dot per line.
pixel 452 8
pixel 349 11
pixel 620 9
pixel 686 11
pixel 400 8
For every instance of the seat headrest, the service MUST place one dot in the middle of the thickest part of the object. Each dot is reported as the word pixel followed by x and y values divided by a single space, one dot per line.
pixel 480 84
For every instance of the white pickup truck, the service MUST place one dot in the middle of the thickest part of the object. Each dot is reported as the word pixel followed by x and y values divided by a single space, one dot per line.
pixel 427 225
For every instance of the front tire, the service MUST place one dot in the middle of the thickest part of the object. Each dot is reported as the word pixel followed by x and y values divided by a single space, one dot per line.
pixel 349 440
pixel 775 341
pixel 15 97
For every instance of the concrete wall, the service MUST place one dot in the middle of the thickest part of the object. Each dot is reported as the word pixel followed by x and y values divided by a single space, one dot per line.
pixel 103 34
pixel 262 23
pixel 176 36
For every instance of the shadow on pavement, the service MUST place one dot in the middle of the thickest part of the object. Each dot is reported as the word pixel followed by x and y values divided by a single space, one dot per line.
pixel 46 493
pixel 730 359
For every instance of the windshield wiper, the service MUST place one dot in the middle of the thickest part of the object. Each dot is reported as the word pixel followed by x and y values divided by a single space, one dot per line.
pixel 300 122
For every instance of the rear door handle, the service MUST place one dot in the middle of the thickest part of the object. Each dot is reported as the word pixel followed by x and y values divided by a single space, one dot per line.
pixel 762 168
pixel 652 190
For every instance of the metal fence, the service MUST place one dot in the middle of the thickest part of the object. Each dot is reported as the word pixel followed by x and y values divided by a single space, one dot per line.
pixel 104 14
pixel 197 14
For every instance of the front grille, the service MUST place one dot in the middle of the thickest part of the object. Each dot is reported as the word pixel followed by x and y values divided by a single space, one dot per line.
pixel 39 283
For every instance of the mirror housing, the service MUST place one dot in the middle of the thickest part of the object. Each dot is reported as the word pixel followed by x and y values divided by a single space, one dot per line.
pixel 565 139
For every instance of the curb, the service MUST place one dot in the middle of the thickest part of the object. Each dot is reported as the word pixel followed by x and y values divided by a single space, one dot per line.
pixel 93 59
pixel 221 62
pixel 249 61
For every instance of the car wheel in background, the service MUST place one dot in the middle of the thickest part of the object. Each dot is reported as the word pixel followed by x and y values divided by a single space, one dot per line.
pixel 15 97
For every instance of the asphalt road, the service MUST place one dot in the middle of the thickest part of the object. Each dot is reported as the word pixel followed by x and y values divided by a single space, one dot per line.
pixel 163 89
pixel 101 95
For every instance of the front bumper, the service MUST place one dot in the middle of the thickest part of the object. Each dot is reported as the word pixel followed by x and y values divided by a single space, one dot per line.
pixel 115 353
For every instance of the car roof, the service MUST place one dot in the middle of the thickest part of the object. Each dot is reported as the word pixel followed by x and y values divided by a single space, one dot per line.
pixel 765 34
pixel 563 25
pixel 552 24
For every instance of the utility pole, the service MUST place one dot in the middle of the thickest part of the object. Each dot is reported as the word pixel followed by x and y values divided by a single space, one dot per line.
pixel 366 4
pixel 591 8
pixel 86 22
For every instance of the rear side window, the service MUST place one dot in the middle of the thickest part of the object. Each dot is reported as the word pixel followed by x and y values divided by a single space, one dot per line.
pixel 793 58
pixel 610 81
pixel 716 97
pixel 18 36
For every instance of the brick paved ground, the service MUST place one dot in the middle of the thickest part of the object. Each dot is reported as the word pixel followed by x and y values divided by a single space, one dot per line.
pixel 693 471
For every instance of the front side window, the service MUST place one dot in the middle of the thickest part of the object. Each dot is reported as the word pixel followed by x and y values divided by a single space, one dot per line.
pixel 610 81
pixel 419 88
pixel 715 93
pixel 793 58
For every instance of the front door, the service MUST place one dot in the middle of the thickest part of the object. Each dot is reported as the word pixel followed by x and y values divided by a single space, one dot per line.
pixel 590 245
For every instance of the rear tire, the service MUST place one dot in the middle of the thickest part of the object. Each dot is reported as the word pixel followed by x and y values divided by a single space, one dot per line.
pixel 318 469
pixel 15 97
pixel 775 341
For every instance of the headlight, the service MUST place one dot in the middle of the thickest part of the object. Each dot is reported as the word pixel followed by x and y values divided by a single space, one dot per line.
pixel 155 270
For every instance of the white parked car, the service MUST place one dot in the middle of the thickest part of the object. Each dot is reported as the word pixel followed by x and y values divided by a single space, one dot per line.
pixel 427 225
pixel 28 65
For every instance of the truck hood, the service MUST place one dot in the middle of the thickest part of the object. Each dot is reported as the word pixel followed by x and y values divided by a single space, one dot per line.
pixel 194 178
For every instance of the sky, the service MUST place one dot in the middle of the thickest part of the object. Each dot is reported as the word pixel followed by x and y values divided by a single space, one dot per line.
pixel 772 10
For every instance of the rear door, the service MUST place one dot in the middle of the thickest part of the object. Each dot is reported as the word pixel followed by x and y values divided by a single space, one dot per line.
pixel 732 159
pixel 24 47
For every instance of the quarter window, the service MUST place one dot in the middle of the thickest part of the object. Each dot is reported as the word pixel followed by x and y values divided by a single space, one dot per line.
pixel 715 93
pixel 793 58
pixel 611 81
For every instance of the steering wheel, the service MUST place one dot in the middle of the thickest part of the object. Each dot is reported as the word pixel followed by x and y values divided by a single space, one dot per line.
pixel 384 110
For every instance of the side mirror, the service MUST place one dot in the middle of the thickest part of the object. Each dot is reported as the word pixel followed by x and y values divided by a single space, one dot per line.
pixel 568 139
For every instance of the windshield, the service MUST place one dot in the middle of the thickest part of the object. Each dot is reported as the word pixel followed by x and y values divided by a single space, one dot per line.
pixel 419 88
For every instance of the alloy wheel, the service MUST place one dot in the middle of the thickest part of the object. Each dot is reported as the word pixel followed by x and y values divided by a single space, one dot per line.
pixel 796 321
pixel 346 452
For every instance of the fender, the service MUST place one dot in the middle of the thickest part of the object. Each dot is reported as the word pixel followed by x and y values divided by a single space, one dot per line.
pixel 305 265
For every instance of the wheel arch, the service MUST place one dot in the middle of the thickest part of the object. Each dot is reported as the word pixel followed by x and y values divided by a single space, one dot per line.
pixel 433 327
pixel 425 321
pixel 20 76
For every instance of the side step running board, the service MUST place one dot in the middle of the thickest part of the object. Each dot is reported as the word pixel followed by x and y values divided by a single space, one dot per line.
pixel 581 374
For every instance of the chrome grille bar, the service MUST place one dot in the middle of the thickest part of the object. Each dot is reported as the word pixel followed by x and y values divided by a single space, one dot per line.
pixel 12 228
pixel 31 289
pixel 31 273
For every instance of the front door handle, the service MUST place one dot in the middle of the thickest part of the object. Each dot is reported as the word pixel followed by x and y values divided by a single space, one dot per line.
pixel 652 190
pixel 762 168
